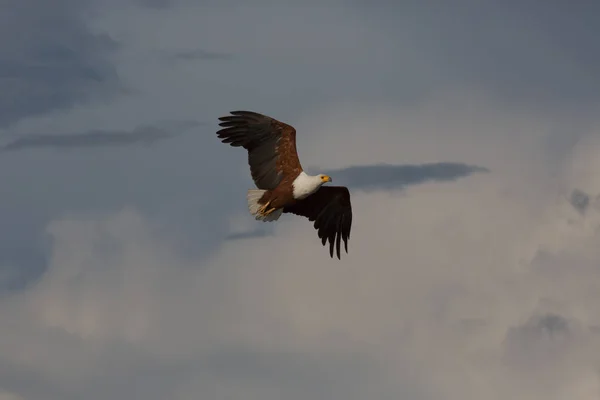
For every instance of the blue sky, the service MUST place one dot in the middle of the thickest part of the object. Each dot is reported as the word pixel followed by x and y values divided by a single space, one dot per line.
pixel 129 260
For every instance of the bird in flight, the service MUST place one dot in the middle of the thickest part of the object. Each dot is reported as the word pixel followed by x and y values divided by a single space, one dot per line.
pixel 282 186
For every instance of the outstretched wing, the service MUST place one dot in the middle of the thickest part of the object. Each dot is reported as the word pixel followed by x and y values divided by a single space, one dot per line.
pixel 331 210
pixel 271 145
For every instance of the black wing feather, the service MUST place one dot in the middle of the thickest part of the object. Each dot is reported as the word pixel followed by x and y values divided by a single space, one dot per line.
pixel 331 211
pixel 260 135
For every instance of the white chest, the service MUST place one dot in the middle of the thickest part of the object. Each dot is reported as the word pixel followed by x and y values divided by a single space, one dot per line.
pixel 305 185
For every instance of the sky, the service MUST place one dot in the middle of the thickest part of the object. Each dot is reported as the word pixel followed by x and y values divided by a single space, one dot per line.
pixel 467 133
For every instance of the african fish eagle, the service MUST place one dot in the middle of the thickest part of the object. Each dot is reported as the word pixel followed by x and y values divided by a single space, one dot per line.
pixel 282 185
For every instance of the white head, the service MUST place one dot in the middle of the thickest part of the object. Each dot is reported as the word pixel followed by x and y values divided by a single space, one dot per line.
pixel 313 182
pixel 304 184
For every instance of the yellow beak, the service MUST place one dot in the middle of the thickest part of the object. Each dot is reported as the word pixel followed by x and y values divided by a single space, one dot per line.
pixel 326 178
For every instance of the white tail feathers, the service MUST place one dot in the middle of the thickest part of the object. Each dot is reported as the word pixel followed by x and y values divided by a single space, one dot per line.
pixel 253 197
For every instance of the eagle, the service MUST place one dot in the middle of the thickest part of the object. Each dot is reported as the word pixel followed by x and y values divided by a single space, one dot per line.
pixel 282 185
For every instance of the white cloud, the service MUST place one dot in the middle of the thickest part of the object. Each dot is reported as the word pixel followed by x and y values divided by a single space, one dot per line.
pixel 450 290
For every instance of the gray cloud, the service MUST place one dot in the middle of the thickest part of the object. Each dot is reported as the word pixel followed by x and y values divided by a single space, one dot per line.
pixel 255 233
pixel 154 304
pixel 50 59
pixel 580 200
pixel 390 177
pixel 130 373
pixel 296 374
pixel 197 54
pixel 122 365
pixel 29 383
pixel 539 327
pixel 167 182
pixel 469 44
pixel 159 4
pixel 541 339
pixel 99 138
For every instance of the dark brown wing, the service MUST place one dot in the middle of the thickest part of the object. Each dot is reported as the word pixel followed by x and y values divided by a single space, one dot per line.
pixel 271 145
pixel 331 210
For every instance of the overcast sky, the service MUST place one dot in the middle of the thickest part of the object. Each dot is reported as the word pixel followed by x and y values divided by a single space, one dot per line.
pixel 467 131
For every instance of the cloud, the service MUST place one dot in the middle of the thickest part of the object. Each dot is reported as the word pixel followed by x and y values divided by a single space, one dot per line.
pixel 373 177
pixel 530 62
pixel 198 54
pixel 483 287
pixel 458 288
pixel 165 182
pixel 159 4
pixel 51 60
pixel 98 138
pixel 579 200
pixel 255 233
